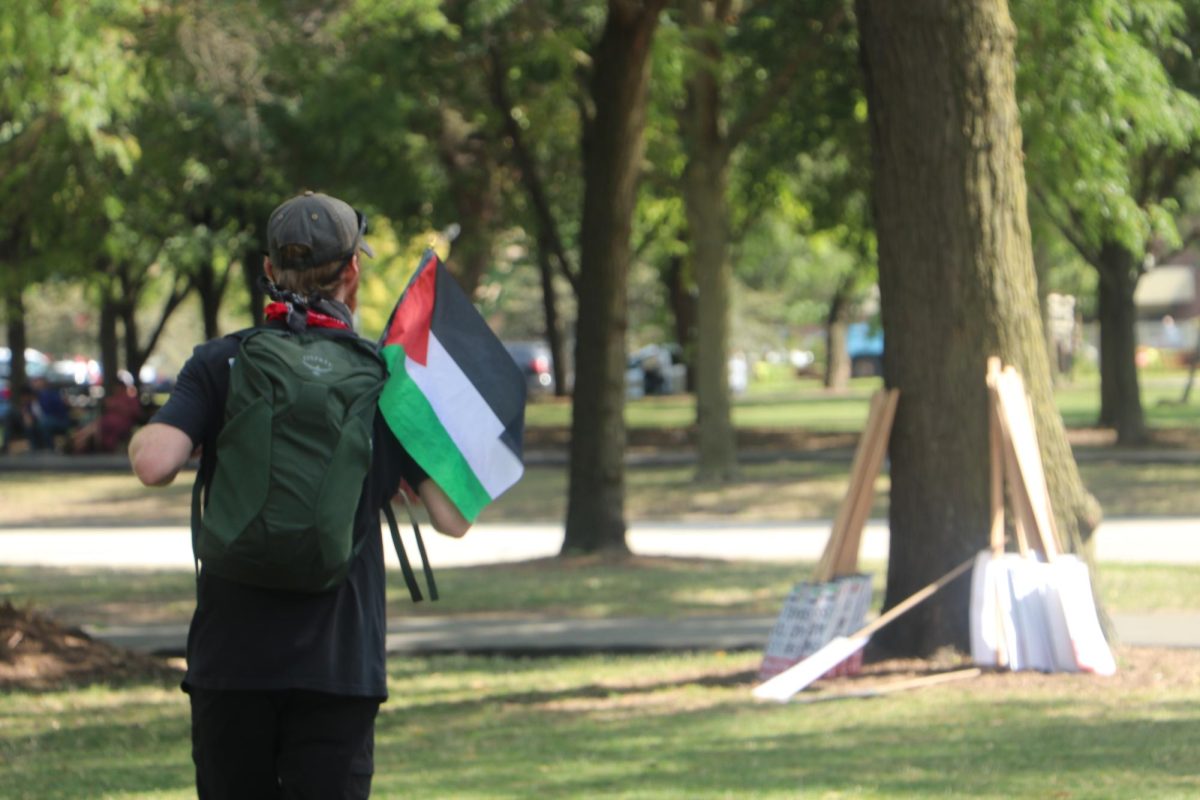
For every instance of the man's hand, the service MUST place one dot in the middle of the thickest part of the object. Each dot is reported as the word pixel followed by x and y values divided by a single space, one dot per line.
pixel 157 452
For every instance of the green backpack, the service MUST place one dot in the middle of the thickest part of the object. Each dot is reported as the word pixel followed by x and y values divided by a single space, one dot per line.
pixel 291 460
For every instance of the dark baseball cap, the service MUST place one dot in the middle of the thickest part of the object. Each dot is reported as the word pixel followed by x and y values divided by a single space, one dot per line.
pixel 328 228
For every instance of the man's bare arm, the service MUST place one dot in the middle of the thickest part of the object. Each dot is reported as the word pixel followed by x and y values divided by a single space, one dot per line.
pixel 157 452
pixel 443 514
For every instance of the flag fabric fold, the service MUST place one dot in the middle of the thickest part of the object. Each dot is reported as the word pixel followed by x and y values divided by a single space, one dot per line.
pixel 454 397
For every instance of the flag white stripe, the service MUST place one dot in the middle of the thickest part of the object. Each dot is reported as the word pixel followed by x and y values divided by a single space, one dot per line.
pixel 468 419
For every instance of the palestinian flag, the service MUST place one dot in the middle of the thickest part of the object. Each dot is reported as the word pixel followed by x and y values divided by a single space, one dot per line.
pixel 454 398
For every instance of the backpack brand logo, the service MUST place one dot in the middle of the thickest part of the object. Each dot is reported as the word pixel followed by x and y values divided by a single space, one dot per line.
pixel 317 365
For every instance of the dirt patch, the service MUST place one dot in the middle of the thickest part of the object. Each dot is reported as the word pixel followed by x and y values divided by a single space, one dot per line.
pixel 37 653
pixel 1138 669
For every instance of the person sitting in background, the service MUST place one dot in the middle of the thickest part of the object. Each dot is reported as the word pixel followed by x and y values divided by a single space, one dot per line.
pixel 121 412
pixel 49 414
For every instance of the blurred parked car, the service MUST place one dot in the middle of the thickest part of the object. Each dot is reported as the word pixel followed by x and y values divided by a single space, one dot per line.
pixel 536 363
pixel 864 345
pixel 658 368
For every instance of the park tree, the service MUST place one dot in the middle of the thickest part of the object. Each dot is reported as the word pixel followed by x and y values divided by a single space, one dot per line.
pixel 613 139
pixel 388 104
pixel 743 63
pixel 72 82
pixel 534 76
pixel 1111 120
pixel 212 72
pixel 957 286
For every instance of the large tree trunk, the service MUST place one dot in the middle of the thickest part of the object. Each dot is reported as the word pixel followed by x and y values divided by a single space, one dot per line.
pixel 14 323
pixel 957 285
pixel 137 352
pixel 612 156
pixel 1120 396
pixel 109 342
pixel 681 297
pixel 554 337
pixel 211 288
pixel 705 181
pixel 127 314
pixel 837 325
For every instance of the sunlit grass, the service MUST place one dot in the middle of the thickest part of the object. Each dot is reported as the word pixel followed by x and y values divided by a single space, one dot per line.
pixel 805 403
pixel 579 587
pixel 664 726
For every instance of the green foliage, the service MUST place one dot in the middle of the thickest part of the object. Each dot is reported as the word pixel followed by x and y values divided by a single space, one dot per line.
pixel 72 81
pixel 1107 129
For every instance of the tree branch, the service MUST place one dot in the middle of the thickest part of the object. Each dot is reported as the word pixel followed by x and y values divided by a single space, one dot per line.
pixel 1067 229
pixel 531 175
pixel 174 299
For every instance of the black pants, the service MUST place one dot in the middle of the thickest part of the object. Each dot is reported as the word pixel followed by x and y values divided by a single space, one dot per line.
pixel 282 744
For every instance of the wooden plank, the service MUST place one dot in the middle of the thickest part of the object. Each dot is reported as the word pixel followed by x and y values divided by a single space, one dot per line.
pixel 1023 521
pixel 858 476
pixel 825 566
pixel 847 561
pixel 996 452
pixel 1014 406
pixel 1010 474
pixel 891 687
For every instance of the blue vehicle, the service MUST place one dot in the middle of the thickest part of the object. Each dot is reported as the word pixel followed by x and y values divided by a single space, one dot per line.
pixel 864 345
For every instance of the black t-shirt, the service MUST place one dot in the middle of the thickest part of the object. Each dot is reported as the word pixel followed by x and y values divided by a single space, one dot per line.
pixel 246 637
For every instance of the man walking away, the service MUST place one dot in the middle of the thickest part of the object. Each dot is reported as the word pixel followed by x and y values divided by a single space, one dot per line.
pixel 285 653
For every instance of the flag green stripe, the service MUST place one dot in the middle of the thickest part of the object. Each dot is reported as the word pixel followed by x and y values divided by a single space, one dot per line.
pixel 410 416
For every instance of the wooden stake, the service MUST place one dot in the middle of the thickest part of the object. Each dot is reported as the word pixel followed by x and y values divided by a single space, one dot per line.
pixel 996 451
pixel 847 561
pixel 1014 406
pixel 829 558
pixel 897 686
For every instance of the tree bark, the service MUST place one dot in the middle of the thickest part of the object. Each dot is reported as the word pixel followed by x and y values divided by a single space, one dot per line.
pixel 127 314
pixel 1120 395
pixel 957 285
pixel 613 152
pixel 109 342
pixel 837 323
pixel 681 296
pixel 14 323
pixel 211 288
pixel 705 183
pixel 554 337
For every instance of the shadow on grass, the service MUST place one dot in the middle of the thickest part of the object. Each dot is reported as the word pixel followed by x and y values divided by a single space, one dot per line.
pixel 95 749
pixel 1017 749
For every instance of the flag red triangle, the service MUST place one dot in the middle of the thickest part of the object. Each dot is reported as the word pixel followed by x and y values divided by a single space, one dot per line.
pixel 410 323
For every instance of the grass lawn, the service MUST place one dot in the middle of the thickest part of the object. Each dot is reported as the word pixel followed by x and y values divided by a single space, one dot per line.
pixel 577 587
pixel 776 491
pixel 677 726
pixel 789 403
pixel 650 726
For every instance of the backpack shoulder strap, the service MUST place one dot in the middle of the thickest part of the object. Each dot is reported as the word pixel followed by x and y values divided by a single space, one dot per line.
pixel 410 578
